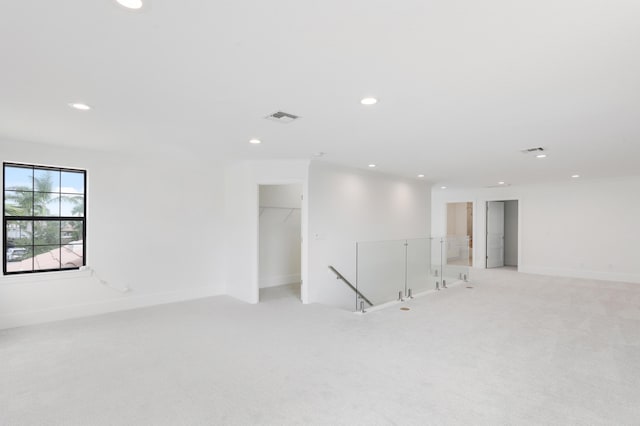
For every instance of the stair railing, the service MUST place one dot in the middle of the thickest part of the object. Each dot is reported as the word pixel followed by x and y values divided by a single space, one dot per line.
pixel 346 281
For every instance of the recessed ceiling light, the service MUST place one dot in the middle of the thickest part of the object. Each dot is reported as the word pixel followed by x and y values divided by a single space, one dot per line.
pixel 372 165
pixel 541 156
pixel 501 183
pixel 255 141
pixel 443 187
pixel 80 106
pixel 130 4
pixel 575 176
pixel 420 176
pixel 369 101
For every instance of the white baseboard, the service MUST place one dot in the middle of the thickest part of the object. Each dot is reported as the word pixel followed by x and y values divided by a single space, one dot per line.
pixel 578 273
pixel 276 280
pixel 126 302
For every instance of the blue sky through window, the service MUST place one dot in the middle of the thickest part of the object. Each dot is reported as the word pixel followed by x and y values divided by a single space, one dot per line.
pixel 66 182
pixel 67 187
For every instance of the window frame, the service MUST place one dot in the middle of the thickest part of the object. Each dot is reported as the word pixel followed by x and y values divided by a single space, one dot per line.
pixel 50 218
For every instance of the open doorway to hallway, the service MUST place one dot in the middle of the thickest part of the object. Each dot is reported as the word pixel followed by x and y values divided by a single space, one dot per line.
pixel 502 234
pixel 279 236
pixel 460 233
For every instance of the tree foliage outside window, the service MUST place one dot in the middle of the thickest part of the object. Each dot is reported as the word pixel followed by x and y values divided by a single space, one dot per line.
pixel 44 218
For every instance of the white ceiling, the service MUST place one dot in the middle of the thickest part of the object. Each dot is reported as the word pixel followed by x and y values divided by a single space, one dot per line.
pixel 463 85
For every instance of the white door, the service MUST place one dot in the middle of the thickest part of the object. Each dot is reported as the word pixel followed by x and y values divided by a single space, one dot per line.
pixel 495 234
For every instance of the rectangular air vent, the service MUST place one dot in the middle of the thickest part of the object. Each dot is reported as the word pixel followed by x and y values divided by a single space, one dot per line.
pixel 537 149
pixel 282 117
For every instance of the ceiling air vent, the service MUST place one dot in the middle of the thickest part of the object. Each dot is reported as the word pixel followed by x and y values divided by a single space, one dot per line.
pixel 536 150
pixel 499 186
pixel 282 117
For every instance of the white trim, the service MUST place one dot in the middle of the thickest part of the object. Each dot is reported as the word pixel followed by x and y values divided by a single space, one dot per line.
pixel 123 303
pixel 406 301
pixel 37 277
pixel 277 280
pixel 578 273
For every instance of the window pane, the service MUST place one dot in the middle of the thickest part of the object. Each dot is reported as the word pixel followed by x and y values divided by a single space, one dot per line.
pixel 40 195
pixel 72 182
pixel 72 205
pixel 46 257
pixel 72 256
pixel 71 232
pixel 46 204
pixel 19 259
pixel 18 178
pixel 18 233
pixel 18 203
pixel 46 180
pixel 46 232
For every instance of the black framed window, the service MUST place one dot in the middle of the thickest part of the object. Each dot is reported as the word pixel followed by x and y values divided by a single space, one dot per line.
pixel 44 218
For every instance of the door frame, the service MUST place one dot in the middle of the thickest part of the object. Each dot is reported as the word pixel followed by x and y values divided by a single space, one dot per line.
pixel 303 226
pixel 480 231
pixel 472 251
pixel 304 249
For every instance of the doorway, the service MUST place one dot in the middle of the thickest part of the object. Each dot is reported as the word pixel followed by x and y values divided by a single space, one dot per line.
pixel 502 234
pixel 279 241
pixel 460 233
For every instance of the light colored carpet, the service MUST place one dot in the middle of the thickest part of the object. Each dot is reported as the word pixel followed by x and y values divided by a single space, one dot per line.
pixel 513 350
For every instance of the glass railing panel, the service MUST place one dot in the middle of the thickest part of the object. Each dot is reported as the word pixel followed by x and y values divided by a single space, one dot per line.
pixel 381 270
pixel 457 260
pixel 419 278
pixel 435 262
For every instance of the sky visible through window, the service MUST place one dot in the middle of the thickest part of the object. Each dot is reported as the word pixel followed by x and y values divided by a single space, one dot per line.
pixel 69 184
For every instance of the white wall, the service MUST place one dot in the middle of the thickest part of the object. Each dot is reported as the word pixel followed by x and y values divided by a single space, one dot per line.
pixel 511 233
pixel 348 205
pixel 280 234
pixel 153 223
pixel 242 180
pixel 283 196
pixel 581 228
